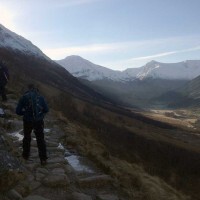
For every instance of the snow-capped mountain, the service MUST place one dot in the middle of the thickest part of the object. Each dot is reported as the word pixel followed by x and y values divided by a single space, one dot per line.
pixel 11 40
pixel 82 68
pixel 186 70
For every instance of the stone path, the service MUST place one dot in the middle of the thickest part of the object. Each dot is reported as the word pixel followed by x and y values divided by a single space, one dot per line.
pixel 67 175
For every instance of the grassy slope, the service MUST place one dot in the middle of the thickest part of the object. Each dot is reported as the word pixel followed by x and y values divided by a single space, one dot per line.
pixel 127 139
pixel 138 140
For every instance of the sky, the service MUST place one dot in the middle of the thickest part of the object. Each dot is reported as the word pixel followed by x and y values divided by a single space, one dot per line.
pixel 117 34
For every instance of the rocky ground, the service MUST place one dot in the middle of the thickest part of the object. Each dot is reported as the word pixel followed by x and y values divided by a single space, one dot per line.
pixel 67 175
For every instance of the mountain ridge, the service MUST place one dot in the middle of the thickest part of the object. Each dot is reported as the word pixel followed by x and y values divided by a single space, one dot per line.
pixel 23 57
pixel 16 42
pixel 82 68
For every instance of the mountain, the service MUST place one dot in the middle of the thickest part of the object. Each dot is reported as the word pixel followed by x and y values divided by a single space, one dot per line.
pixel 140 87
pixel 84 69
pixel 126 145
pixel 192 89
pixel 11 40
pixel 27 63
pixel 189 95
pixel 186 70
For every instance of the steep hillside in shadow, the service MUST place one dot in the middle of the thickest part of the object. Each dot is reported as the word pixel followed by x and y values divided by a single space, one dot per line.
pixel 186 96
pixel 25 69
pixel 156 147
pixel 192 89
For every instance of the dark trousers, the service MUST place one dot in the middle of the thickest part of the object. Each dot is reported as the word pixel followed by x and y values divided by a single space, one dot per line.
pixel 3 92
pixel 38 128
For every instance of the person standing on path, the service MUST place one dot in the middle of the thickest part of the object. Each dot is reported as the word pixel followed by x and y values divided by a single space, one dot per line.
pixel 33 107
pixel 4 77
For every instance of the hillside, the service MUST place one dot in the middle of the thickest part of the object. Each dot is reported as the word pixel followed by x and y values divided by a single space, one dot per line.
pixel 27 63
pixel 24 69
pixel 14 42
pixel 145 158
pixel 92 123
pixel 187 96
pixel 192 89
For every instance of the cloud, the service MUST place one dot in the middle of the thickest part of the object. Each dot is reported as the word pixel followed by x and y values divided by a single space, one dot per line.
pixel 165 54
pixel 152 56
pixel 96 48
pixel 189 50
pixel 128 48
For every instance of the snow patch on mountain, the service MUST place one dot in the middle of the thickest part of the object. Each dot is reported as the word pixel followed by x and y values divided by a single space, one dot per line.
pixel 186 70
pixel 11 40
pixel 82 68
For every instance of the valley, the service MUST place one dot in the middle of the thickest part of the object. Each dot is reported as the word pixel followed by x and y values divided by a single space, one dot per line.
pixel 140 153
pixel 184 118
pixel 156 84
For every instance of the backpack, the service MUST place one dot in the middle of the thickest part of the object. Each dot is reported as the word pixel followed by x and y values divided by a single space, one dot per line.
pixel 33 105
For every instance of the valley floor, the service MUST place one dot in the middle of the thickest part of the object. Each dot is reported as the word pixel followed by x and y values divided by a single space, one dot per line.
pixel 182 118
pixel 186 121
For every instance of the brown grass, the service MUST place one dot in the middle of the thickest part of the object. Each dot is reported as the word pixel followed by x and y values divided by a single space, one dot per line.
pixel 102 134
pixel 131 178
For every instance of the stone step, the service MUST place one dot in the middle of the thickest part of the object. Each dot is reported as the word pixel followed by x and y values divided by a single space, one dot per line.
pixel 80 196
pixel 54 149
pixel 56 160
pixel 13 194
pixel 107 197
pixel 51 139
pixel 95 181
pixel 35 197
pixel 52 144
pixel 56 180
pixel 48 144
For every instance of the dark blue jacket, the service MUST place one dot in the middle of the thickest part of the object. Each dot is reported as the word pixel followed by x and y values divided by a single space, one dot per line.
pixel 32 106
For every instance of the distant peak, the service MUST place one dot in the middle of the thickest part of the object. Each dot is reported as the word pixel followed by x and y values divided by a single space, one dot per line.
pixel 152 62
pixel 74 56
pixel 77 56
